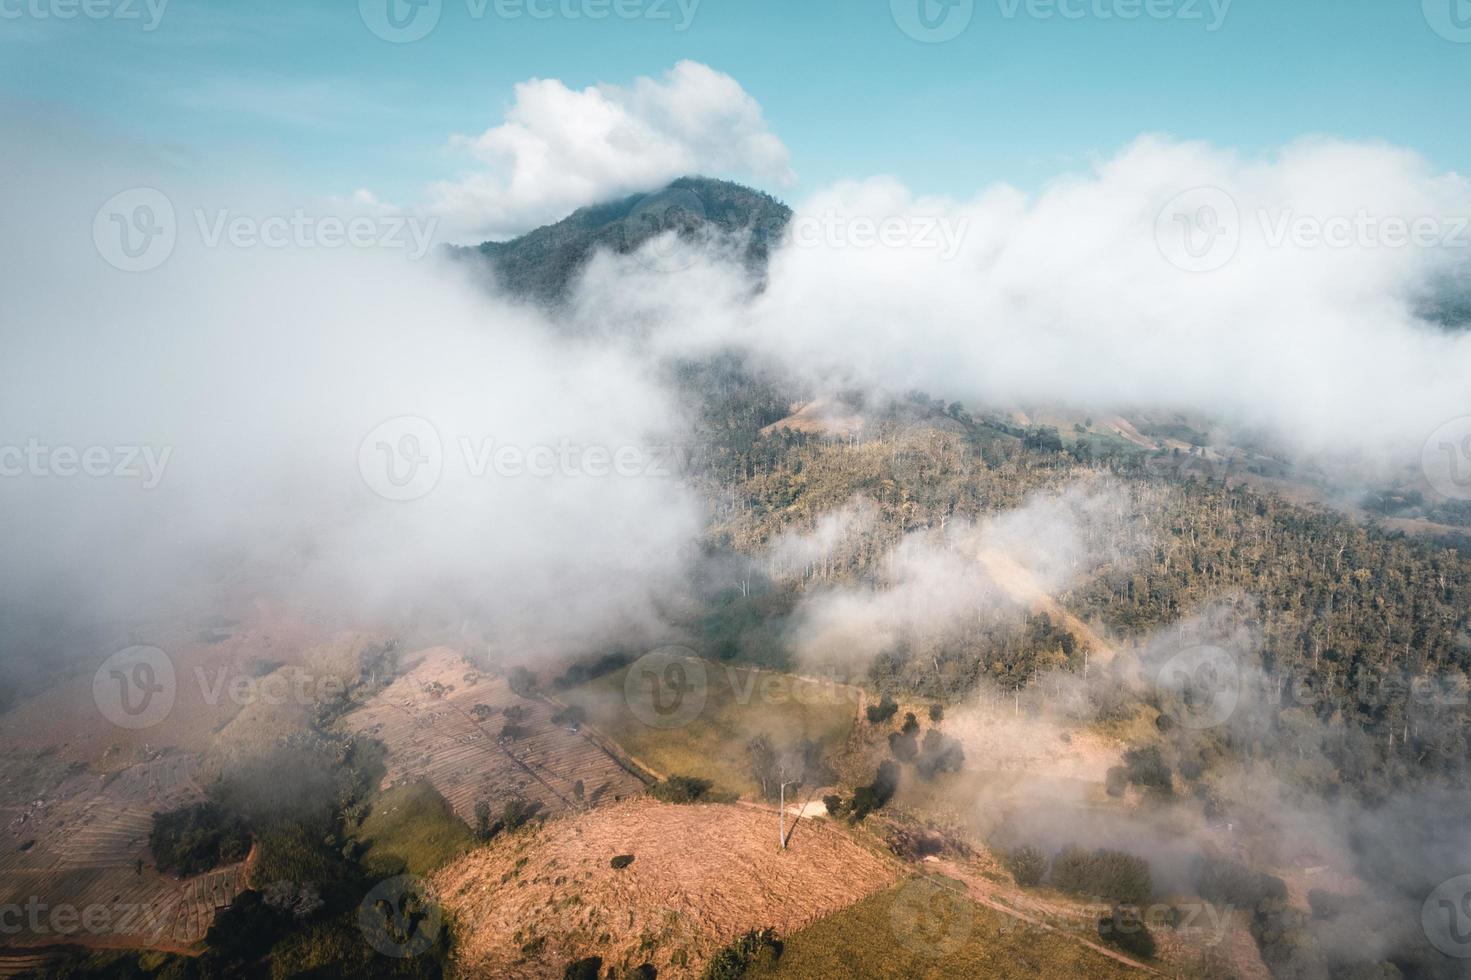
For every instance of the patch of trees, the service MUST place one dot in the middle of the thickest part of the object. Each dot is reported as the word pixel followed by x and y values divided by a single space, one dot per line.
pixel 522 682
pixel 1354 614
pixel 866 799
pixel 195 839
pixel 590 670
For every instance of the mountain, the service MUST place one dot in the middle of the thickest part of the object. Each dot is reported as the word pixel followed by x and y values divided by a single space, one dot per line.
pixel 542 263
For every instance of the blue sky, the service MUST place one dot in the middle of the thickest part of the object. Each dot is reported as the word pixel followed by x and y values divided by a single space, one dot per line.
pixel 305 94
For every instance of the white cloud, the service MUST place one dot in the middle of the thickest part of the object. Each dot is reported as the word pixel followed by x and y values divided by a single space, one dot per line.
pixel 560 149
pixel 1069 297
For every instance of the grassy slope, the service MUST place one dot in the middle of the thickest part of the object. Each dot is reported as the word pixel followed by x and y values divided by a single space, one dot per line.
pixel 740 704
pixel 412 830
pixel 863 941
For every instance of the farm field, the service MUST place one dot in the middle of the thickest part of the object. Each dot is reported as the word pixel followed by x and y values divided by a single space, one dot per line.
pixel 701 876
pixel 740 704
pixel 445 722
pixel 75 839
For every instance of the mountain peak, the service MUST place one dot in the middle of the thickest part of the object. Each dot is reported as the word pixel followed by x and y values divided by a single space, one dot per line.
pixel 541 264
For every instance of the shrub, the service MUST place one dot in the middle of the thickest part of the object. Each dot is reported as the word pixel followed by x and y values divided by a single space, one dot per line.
pixel 1027 865
pixel 1111 876
pixel 1147 768
pixel 867 799
pixel 522 681
pixel 904 746
pixel 732 962
pixel 621 861
pixel 941 753
pixel 1125 929
pixel 590 968
pixel 518 813
pixel 681 789
pixel 1117 781
pixel 580 673
pixel 883 711
pixel 937 713
pixel 1233 883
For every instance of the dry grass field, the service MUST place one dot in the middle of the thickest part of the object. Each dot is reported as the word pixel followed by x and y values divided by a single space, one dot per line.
pixel 702 875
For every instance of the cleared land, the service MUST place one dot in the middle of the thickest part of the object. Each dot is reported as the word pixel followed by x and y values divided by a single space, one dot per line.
pixel 445 722
pixel 76 845
pixel 702 875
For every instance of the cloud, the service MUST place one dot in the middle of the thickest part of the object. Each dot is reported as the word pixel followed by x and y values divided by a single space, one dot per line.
pixel 258 379
pixel 934 586
pixel 1069 296
pixel 560 149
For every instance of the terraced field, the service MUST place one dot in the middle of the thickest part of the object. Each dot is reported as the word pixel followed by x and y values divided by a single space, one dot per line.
pixel 74 861
pixel 445 722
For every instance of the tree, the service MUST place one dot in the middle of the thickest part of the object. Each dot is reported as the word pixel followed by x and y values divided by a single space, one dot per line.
pixel 1027 865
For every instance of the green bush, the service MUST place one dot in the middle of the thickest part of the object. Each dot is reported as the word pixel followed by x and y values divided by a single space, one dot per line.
pixel 732 962
pixel 883 711
pixel 682 789
pixel 1027 865
pixel 1110 876
pixel 621 861
pixel 195 839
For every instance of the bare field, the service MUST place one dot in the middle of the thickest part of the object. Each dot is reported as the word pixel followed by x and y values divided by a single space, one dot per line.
pixel 74 856
pixel 428 720
pixel 702 875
